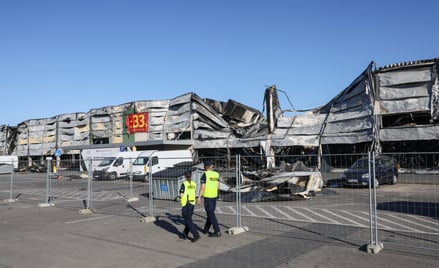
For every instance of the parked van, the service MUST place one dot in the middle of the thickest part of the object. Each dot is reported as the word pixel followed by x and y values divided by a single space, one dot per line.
pixel 99 157
pixel 139 162
pixel 158 161
pixel 6 162
pixel 112 168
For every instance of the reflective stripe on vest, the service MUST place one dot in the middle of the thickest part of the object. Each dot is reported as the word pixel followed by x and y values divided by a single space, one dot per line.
pixel 211 187
pixel 189 193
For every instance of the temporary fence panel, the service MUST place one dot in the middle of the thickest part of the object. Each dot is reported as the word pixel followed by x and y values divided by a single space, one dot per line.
pixel 7 169
pixel 294 197
pixel 65 187
pixel 165 189
pixel 408 210
pixel 147 195
pixel 227 211
pixel 328 197
pixel 119 194
pixel 24 186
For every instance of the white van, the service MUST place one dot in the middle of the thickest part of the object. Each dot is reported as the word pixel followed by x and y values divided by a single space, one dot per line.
pixel 138 163
pixel 157 161
pixel 6 163
pixel 114 167
pixel 99 156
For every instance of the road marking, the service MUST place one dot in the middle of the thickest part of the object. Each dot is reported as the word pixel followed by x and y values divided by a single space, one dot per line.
pixel 249 211
pixel 301 214
pixel 74 195
pixel 321 216
pixel 265 212
pixel 289 217
pixel 283 213
pixel 403 226
pixel 367 219
pixel 383 226
pixel 392 222
pixel 411 222
pixel 344 218
pixel 422 219
pixel 89 219
pixel 232 209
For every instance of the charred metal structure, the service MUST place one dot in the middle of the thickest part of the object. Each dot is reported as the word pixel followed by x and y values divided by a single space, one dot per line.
pixel 394 108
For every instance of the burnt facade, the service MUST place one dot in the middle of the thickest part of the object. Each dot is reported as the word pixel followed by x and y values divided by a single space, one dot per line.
pixel 394 108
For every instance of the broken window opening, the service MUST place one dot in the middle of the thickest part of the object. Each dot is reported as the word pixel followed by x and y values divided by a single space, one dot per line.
pixel 101 141
pixel 406 120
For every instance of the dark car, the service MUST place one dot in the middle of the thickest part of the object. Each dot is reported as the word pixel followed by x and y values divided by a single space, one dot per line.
pixel 386 171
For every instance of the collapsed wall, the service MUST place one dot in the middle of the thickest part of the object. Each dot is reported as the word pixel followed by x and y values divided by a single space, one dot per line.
pixel 186 120
pixel 392 108
pixel 408 106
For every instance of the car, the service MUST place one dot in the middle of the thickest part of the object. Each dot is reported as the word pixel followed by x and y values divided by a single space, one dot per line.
pixel 386 171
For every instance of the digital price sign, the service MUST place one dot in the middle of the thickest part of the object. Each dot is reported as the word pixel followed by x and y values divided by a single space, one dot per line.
pixel 137 122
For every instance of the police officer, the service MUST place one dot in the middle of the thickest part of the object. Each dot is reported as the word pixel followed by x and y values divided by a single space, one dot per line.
pixel 187 201
pixel 209 191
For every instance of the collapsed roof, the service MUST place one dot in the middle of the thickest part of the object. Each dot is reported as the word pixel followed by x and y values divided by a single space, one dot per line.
pixel 380 108
pixel 396 103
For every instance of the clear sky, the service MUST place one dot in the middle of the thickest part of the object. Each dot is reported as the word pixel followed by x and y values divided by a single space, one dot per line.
pixel 67 56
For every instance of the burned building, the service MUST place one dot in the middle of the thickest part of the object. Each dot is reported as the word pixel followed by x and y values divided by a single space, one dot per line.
pixel 388 109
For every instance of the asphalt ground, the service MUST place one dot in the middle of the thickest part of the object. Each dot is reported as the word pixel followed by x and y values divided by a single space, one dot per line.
pixel 33 236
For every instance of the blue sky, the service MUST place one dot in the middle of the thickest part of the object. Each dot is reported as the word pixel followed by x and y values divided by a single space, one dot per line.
pixel 66 56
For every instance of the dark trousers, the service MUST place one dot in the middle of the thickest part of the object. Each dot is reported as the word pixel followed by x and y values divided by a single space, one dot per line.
pixel 209 206
pixel 187 212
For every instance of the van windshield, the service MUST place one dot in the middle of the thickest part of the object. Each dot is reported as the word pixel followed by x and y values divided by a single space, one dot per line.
pixel 106 161
pixel 141 161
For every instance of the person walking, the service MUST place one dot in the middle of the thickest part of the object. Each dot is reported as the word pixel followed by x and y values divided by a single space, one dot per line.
pixel 209 185
pixel 187 202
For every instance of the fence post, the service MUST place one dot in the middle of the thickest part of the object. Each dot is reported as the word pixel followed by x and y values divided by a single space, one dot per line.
pixel 48 198
pixel 374 246
pixel 151 217
pixel 87 202
pixel 130 176
pixel 12 180
pixel 238 193
pixel 238 228
pixel 131 180
pixel 11 200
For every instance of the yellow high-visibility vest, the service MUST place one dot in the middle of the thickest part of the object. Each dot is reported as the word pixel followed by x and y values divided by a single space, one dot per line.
pixel 211 187
pixel 189 193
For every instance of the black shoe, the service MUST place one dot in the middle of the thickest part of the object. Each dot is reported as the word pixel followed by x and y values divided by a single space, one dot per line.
pixel 205 232
pixel 196 238
pixel 215 234
pixel 183 236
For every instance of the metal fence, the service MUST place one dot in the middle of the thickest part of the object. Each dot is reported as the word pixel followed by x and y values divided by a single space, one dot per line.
pixel 6 186
pixel 303 196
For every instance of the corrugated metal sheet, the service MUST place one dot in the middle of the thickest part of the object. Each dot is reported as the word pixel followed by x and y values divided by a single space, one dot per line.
pixel 355 115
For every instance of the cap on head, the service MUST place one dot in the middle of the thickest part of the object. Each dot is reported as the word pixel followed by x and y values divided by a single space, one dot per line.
pixel 207 164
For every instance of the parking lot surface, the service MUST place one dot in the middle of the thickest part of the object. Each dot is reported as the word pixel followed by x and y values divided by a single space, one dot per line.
pixel 32 236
